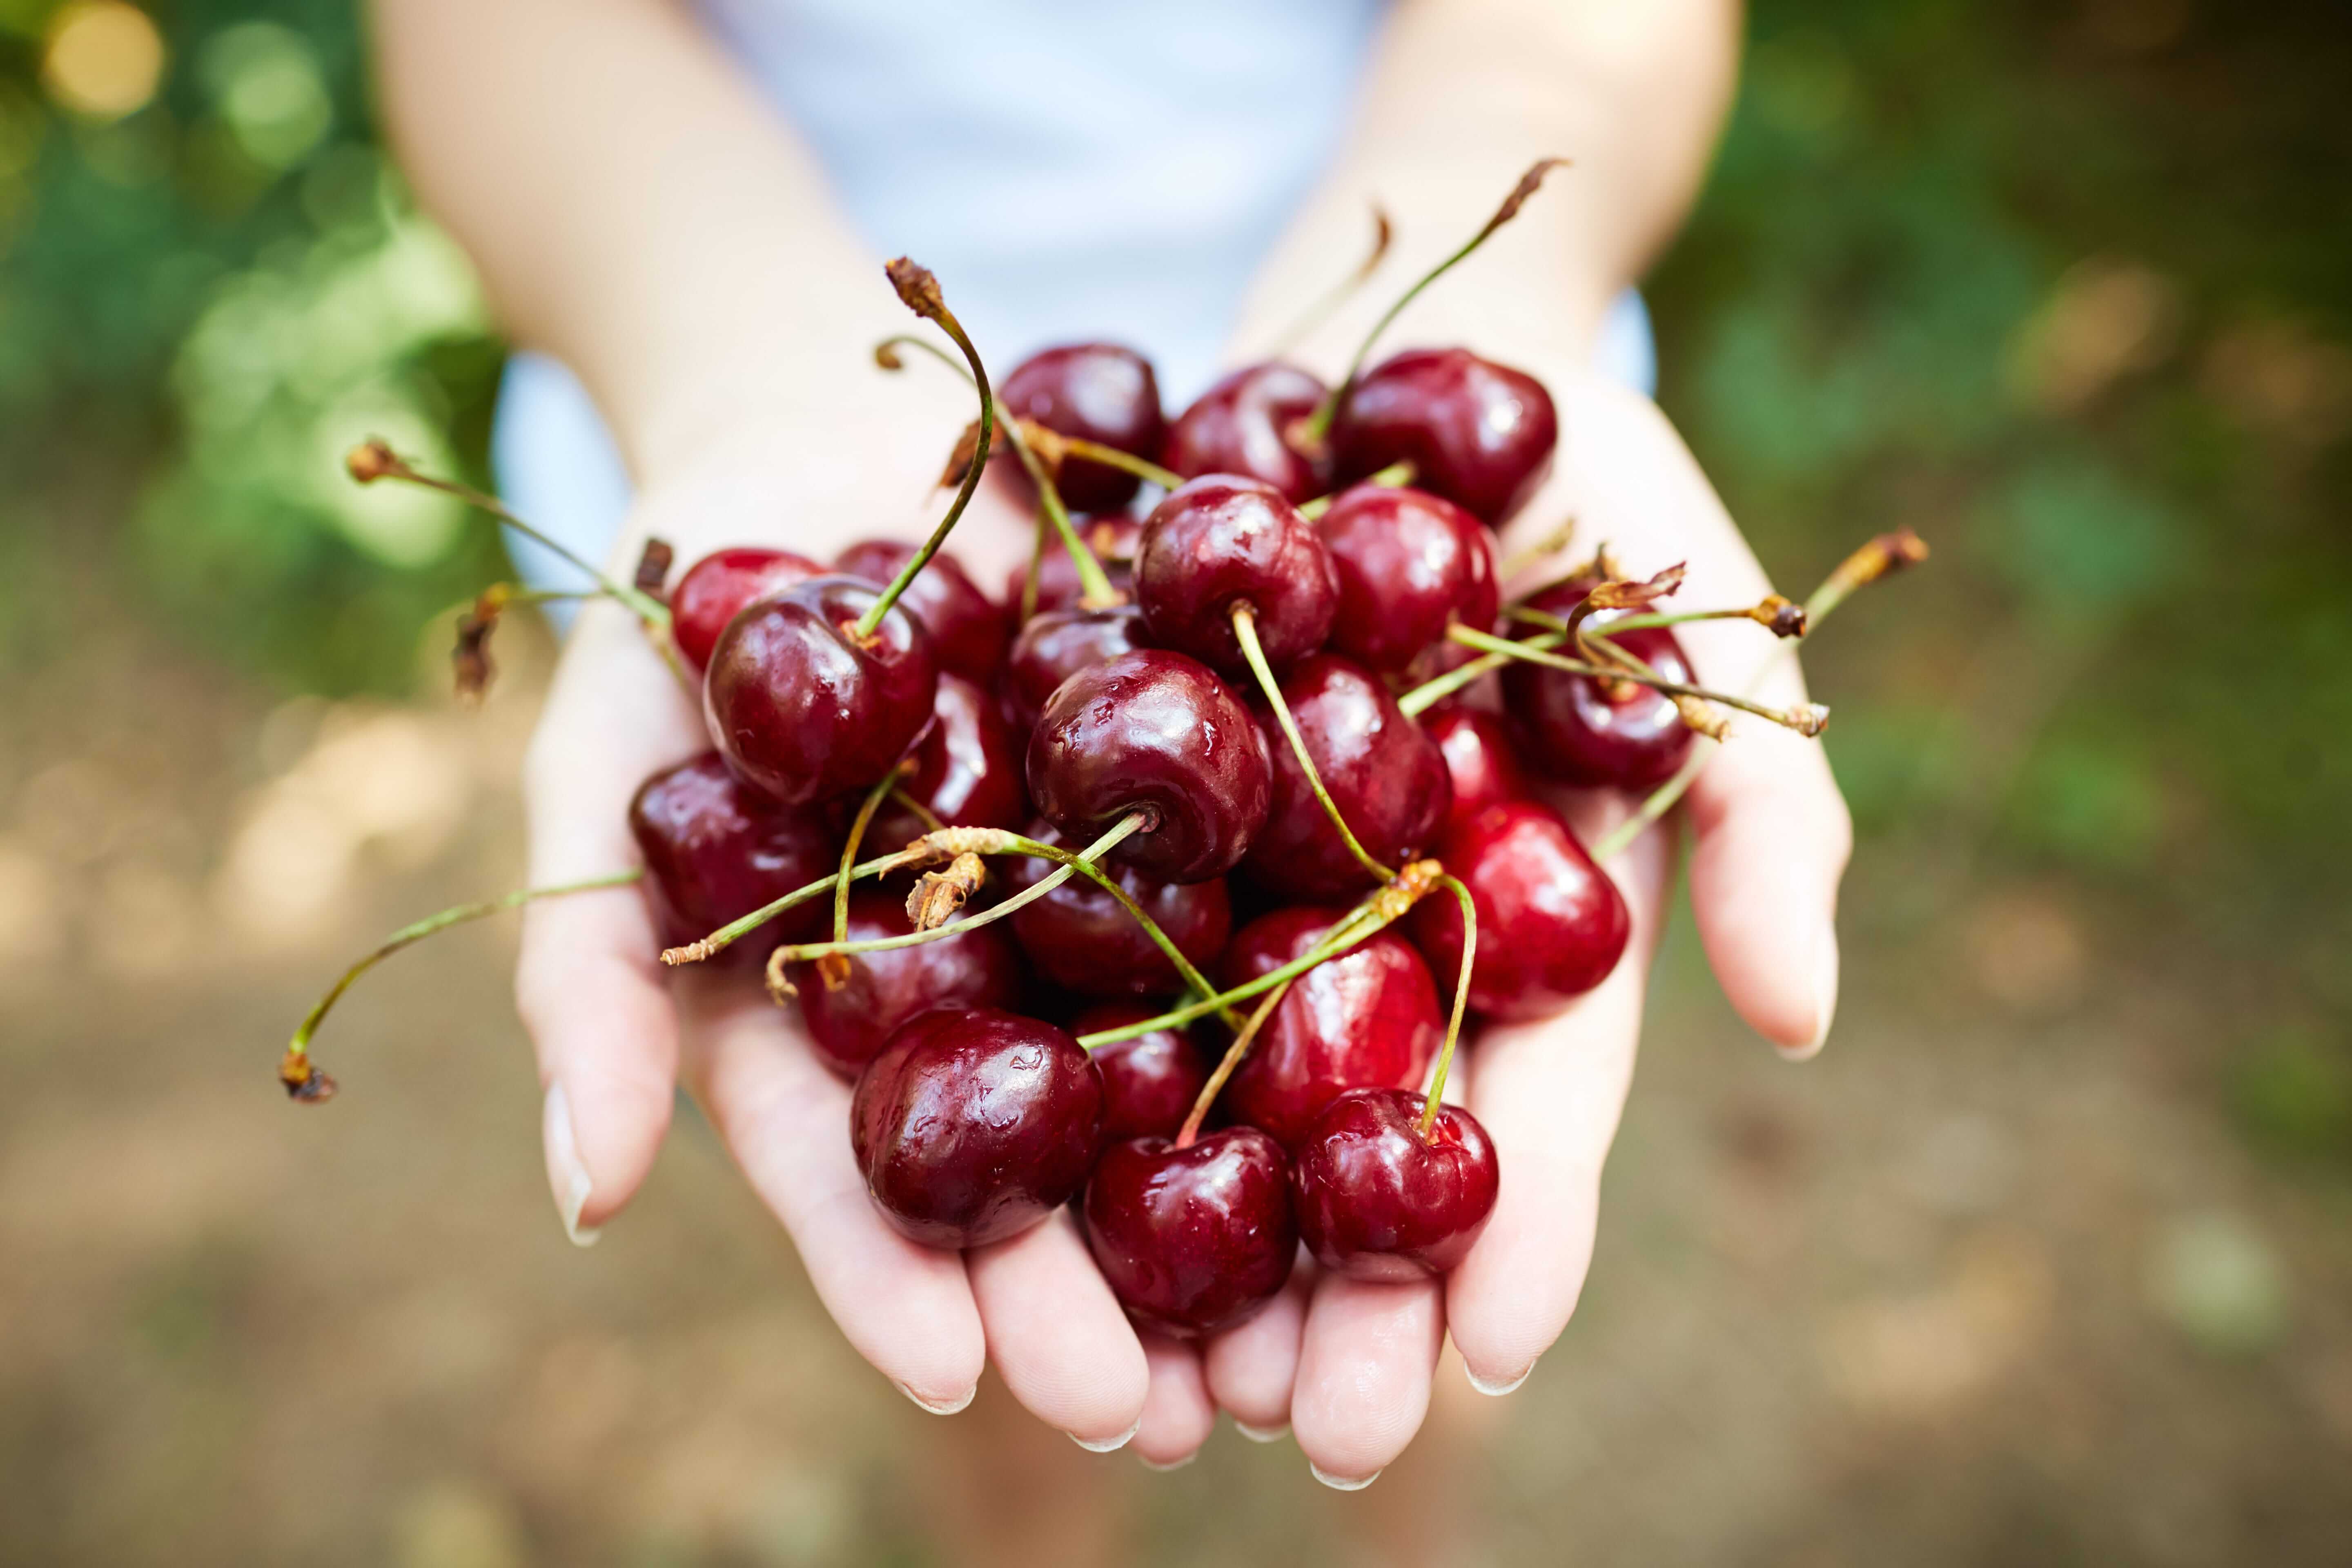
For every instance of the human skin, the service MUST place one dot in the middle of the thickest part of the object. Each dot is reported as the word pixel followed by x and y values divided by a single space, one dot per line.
pixel 636 210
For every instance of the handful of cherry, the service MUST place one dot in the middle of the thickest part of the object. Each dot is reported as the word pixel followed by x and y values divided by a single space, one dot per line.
pixel 1149 886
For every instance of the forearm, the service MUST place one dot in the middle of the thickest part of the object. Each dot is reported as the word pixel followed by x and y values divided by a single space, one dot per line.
pixel 1463 95
pixel 636 211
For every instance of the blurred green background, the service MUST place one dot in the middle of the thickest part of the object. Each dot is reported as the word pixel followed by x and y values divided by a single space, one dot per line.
pixel 2045 1261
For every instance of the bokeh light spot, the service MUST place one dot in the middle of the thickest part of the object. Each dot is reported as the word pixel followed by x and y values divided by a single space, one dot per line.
pixel 104 59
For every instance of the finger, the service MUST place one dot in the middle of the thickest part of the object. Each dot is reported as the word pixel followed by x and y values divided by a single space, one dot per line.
pixel 586 983
pixel 1364 1366
pixel 1058 1335
pixel 1177 1416
pixel 908 1309
pixel 1252 1369
pixel 1549 1095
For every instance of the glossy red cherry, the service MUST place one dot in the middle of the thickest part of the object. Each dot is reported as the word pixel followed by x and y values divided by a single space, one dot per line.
pixel 1097 392
pixel 1053 647
pixel 1480 758
pixel 1585 732
pixel 1369 1018
pixel 1477 433
pixel 801 707
pixel 1150 1081
pixel 846 1028
pixel 1386 777
pixel 968 628
pixel 1079 938
pixel 714 852
pixel 1221 541
pixel 1551 925
pixel 1193 1240
pixel 1241 426
pixel 1374 1202
pixel 1410 564
pixel 715 587
pixel 974 1124
pixel 1155 732
pixel 967 771
pixel 1112 539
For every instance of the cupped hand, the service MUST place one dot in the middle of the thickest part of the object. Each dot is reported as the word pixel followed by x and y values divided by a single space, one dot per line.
pixel 1347 1365
pixel 615 1033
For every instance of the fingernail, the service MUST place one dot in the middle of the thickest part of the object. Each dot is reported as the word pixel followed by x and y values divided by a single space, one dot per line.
pixel 1499 1387
pixel 1825 999
pixel 565 1173
pixel 1171 1465
pixel 947 1408
pixel 1105 1445
pixel 1263 1434
pixel 1340 1483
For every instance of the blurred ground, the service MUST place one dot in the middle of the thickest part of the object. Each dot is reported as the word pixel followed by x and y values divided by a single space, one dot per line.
pixel 2046 1260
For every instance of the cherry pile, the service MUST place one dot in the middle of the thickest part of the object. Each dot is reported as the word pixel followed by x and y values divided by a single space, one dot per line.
pixel 1163 882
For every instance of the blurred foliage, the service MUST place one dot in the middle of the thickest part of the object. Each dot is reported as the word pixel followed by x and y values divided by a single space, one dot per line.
pixel 210 284
pixel 2068 288
pixel 2065 286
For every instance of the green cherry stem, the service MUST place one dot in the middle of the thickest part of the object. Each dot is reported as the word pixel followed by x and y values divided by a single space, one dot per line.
pixel 916 854
pixel 1319 424
pixel 919 291
pixel 1014 844
pixel 1226 1065
pixel 300 1075
pixel 1125 826
pixel 1321 311
pixel 1806 719
pixel 1394 475
pixel 1461 1004
pixel 1126 462
pixel 1246 633
pixel 1095 592
pixel 883 787
pixel 1887 553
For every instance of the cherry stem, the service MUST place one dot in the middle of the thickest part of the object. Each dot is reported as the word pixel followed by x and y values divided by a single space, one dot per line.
pixel 923 814
pixel 1190 974
pixel 1536 550
pixel 795 953
pixel 1126 462
pixel 375 459
pixel 1806 719
pixel 886 355
pixel 1242 1039
pixel 1246 633
pixel 1773 612
pixel 921 294
pixel 883 789
pixel 915 854
pixel 300 1075
pixel 1384 906
pixel 1319 424
pixel 1461 1004
pixel 1322 310
pixel 1886 553
pixel 1095 592
pixel 1394 475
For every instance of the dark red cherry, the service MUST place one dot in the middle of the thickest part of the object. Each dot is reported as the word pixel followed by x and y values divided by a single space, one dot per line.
pixel 974 1124
pixel 714 852
pixel 1057 645
pixel 1410 564
pixel 1193 1240
pixel 1150 1081
pixel 968 628
pixel 715 587
pixel 981 968
pixel 1477 433
pixel 1366 1019
pixel 1479 758
pixel 803 709
pixel 1243 425
pixel 1096 391
pixel 1551 925
pixel 967 771
pixel 1159 732
pixel 1386 777
pixel 1585 732
pixel 1079 938
pixel 1219 540
pixel 1374 1202
pixel 1112 539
